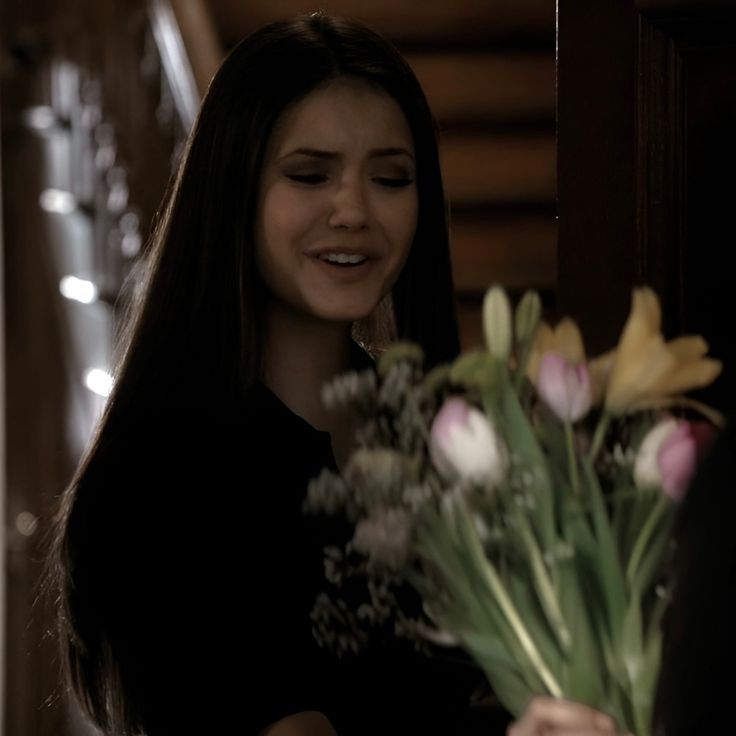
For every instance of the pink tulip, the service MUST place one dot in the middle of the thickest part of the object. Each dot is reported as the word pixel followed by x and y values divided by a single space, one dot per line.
pixel 669 454
pixel 465 445
pixel 565 387
pixel 679 454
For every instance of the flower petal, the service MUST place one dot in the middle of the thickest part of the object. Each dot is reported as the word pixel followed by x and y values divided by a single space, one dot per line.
pixel 543 342
pixel 636 372
pixel 647 472
pixel 568 341
pixel 564 387
pixel 689 376
pixel 688 347
pixel 677 458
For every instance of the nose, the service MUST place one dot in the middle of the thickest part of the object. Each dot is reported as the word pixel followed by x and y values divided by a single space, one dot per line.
pixel 349 207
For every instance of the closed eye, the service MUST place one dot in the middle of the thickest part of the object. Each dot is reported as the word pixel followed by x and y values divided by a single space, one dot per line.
pixel 307 178
pixel 394 182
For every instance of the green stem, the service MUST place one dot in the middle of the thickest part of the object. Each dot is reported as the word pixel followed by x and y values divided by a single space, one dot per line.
pixel 655 617
pixel 521 368
pixel 599 435
pixel 491 577
pixel 572 459
pixel 645 535
pixel 526 641
pixel 545 588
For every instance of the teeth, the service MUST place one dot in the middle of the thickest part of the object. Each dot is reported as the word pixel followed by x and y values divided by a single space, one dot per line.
pixel 342 258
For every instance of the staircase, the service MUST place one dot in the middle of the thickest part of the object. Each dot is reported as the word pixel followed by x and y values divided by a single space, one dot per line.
pixel 92 119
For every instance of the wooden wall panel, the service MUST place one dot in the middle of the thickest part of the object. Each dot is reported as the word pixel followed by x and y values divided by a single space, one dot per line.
pixel 516 252
pixel 487 86
pixel 487 167
pixel 687 115
pixel 434 22
pixel 645 167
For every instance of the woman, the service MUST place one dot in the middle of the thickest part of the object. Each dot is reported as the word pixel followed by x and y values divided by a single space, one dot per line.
pixel 308 208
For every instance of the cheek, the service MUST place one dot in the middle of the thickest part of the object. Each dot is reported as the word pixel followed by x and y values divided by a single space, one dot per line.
pixel 403 226
pixel 284 218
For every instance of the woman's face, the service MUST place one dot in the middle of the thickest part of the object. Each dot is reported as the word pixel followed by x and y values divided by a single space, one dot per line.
pixel 337 206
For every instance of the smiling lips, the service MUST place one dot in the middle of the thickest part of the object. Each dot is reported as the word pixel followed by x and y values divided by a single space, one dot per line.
pixel 343 259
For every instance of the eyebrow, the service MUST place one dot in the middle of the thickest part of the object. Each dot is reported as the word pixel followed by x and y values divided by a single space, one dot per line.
pixel 331 155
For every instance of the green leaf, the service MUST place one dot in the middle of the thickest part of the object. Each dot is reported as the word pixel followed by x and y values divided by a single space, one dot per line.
pixel 497 327
pixel 623 501
pixel 656 614
pixel 584 664
pixel 527 603
pixel 435 382
pixel 512 691
pixel 650 544
pixel 543 585
pixel 477 370
pixel 632 640
pixel 645 689
pixel 608 567
pixel 642 503
pixel 526 320
pixel 500 594
pixel 528 461
pixel 653 562
pixel 469 604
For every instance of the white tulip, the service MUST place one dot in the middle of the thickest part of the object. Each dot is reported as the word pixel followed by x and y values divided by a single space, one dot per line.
pixel 465 445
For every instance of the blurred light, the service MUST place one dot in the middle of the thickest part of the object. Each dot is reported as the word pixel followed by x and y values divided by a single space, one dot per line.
pixel 80 290
pixel 98 381
pixel 131 243
pixel 26 523
pixel 117 197
pixel 57 201
pixel 39 117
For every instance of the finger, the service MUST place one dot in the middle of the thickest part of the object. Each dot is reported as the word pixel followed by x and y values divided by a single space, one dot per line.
pixel 536 729
pixel 561 714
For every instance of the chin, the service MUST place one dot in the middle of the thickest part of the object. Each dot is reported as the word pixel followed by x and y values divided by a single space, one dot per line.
pixel 342 317
pixel 345 314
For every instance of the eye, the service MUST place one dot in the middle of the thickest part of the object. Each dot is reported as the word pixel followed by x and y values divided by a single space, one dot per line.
pixel 307 178
pixel 394 182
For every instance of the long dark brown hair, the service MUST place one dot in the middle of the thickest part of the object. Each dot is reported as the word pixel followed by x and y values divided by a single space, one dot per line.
pixel 193 341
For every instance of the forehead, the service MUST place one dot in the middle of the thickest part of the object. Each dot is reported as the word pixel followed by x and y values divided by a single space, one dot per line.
pixel 343 114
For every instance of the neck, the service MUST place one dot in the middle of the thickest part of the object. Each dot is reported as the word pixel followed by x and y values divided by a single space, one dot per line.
pixel 300 355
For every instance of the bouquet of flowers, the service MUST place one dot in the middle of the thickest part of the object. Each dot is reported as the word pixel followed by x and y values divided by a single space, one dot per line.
pixel 527 495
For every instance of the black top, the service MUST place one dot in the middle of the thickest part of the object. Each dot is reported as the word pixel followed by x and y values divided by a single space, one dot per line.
pixel 206 529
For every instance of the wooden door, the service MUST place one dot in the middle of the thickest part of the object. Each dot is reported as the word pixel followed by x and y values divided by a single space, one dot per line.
pixel 646 155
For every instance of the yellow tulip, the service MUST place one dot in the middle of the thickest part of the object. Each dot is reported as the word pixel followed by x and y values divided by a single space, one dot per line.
pixel 646 371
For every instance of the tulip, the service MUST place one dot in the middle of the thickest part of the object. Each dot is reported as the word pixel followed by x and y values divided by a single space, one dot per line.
pixel 497 323
pixel 679 455
pixel 646 466
pixel 564 339
pixel 646 370
pixel 526 317
pixel 564 387
pixel 464 445
pixel 669 454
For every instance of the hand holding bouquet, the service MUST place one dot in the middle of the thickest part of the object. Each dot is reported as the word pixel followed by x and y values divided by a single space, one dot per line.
pixel 527 495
